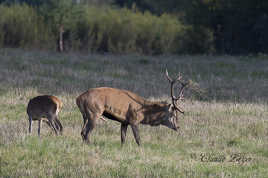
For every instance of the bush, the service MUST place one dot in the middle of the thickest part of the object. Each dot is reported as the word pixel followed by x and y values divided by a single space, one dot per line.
pixel 20 26
pixel 99 29
pixel 123 31
pixel 197 40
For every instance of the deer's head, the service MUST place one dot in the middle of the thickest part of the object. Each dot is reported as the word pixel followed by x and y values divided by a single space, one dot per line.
pixel 173 109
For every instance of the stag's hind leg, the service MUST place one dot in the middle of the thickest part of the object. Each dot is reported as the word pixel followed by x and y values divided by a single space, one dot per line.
pixel 90 124
pixel 123 132
pixel 88 129
pixel 136 134
pixel 84 121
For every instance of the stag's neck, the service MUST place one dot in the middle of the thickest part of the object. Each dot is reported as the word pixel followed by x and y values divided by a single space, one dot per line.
pixel 154 119
pixel 148 102
pixel 154 114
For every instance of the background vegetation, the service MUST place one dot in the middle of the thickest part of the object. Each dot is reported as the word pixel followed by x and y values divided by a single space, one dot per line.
pixel 137 26
pixel 224 131
pixel 90 29
pixel 238 27
pixel 230 117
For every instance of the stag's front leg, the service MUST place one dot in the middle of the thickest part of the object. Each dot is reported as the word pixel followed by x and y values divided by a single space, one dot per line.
pixel 136 134
pixel 123 132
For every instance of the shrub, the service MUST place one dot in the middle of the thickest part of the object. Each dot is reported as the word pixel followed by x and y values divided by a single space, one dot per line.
pixel 99 29
pixel 20 26
pixel 123 31
pixel 197 40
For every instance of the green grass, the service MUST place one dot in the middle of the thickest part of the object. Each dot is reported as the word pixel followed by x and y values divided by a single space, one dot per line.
pixel 228 118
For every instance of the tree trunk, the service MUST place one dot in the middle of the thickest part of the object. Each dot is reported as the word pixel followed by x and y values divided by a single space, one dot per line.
pixel 60 45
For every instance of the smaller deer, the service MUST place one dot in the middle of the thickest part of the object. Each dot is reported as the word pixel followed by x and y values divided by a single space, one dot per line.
pixel 45 108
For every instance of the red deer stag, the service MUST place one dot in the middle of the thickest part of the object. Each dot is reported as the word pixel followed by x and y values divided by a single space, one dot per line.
pixel 45 108
pixel 128 109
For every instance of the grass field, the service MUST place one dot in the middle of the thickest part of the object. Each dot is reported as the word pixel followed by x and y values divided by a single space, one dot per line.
pixel 224 132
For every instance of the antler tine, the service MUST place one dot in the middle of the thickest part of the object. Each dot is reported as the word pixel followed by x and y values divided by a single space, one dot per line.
pixel 182 89
pixel 181 82
pixel 172 82
pixel 179 77
pixel 171 87
pixel 168 77
pixel 180 97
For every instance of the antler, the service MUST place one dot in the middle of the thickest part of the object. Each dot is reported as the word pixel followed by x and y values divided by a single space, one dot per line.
pixel 180 97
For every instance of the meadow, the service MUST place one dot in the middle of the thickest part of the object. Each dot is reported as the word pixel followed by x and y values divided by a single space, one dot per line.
pixel 223 133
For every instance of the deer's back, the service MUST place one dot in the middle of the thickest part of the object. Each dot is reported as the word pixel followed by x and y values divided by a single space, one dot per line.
pixel 110 99
pixel 41 106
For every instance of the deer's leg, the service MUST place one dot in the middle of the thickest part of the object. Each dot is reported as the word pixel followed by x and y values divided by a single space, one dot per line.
pixel 123 132
pixel 85 121
pixel 39 126
pixel 59 126
pixel 51 120
pixel 57 123
pixel 30 124
pixel 89 125
pixel 48 123
pixel 88 129
pixel 83 132
pixel 136 134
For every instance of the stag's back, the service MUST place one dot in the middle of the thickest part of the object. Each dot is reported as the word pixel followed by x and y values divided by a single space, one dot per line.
pixel 110 99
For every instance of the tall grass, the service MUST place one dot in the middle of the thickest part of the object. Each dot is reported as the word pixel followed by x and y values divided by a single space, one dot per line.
pixel 230 120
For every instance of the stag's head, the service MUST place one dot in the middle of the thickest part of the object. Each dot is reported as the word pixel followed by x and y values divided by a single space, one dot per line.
pixel 173 108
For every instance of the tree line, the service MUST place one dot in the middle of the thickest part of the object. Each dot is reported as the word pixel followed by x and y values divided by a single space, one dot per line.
pixel 139 26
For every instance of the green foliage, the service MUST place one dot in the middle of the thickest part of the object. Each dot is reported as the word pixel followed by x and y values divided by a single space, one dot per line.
pixel 28 2
pixel 123 31
pixel 18 31
pixel 61 12
pixel 238 26
pixel 99 29
pixel 197 40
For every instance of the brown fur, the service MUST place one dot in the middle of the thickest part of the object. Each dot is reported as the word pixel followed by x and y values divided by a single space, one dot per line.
pixel 45 108
pixel 123 106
